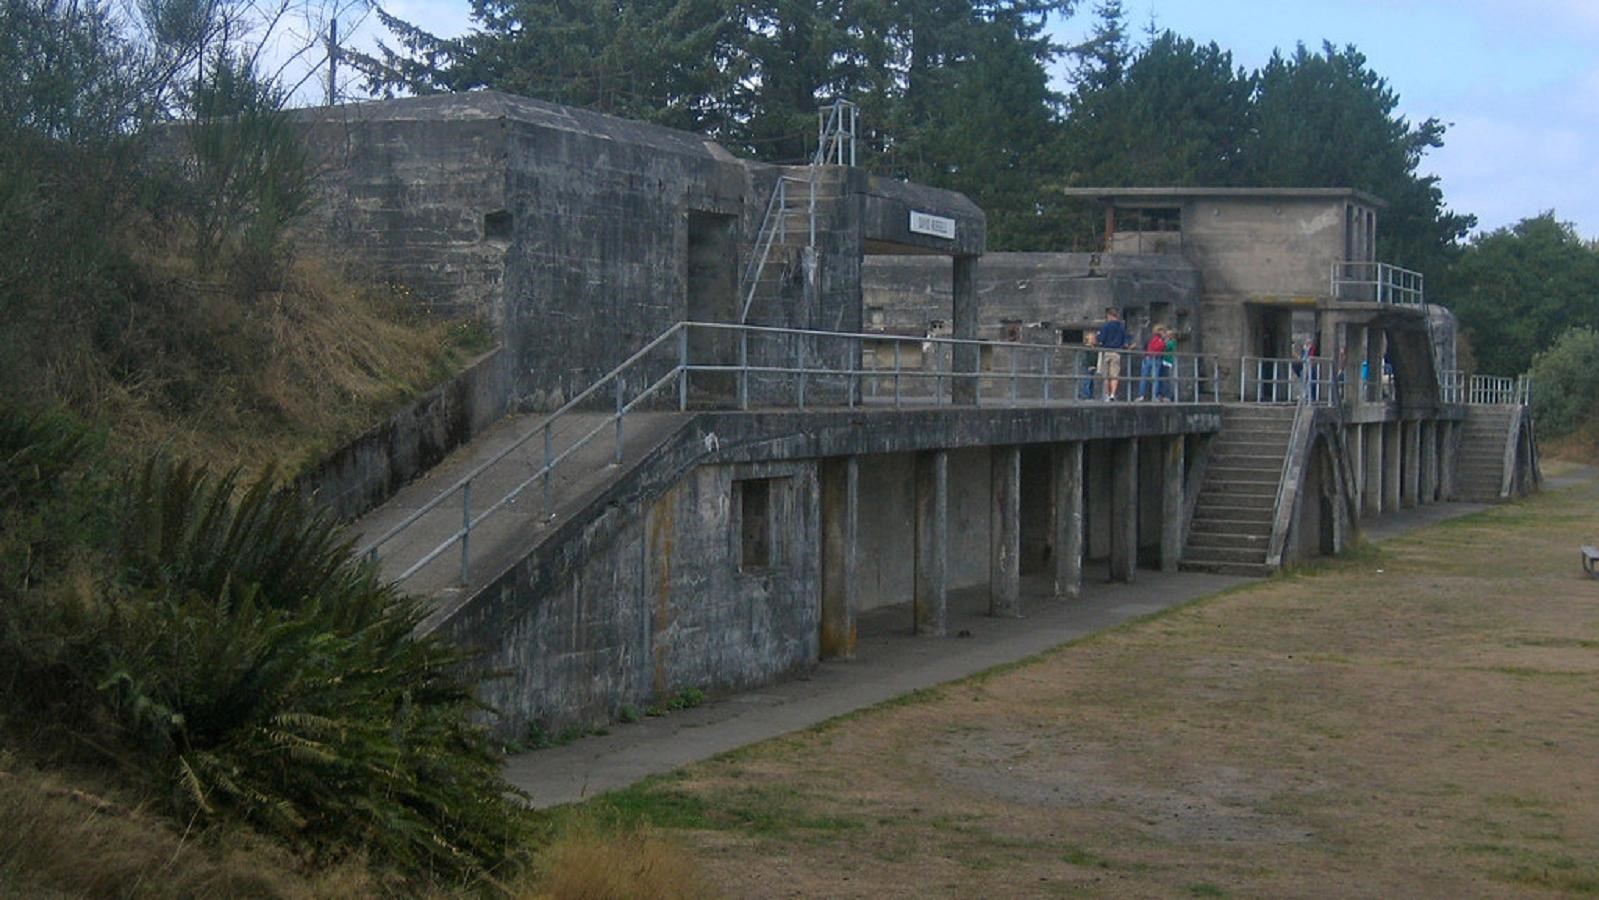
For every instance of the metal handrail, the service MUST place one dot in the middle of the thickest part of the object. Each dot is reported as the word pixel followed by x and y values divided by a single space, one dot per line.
pixel 1377 282
pixel 1288 380
pixel 806 368
pixel 1452 386
pixel 835 128
pixel 1493 390
pixel 463 484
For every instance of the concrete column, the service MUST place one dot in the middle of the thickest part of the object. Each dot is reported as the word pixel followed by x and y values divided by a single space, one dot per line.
pixel 1411 490
pixel 1124 509
pixel 1446 459
pixel 1354 353
pixel 1429 461
pixel 1068 506
pixel 1355 441
pixel 1390 465
pixel 1171 503
pixel 932 542
pixel 1005 533
pixel 841 586
pixel 965 357
pixel 1372 491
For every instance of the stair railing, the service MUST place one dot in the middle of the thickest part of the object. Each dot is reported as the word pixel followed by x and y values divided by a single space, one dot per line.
pixel 616 379
pixel 836 126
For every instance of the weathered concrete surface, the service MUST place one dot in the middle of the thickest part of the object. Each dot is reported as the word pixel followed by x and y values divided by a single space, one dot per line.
pixel 890 661
pixel 1033 297
pixel 548 221
pixel 639 590
pixel 369 470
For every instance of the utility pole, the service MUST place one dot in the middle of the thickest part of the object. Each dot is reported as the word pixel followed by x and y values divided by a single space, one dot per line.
pixel 333 60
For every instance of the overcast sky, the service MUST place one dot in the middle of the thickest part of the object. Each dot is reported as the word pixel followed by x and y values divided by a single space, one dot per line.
pixel 1517 81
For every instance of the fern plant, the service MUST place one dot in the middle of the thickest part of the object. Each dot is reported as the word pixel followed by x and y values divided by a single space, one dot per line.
pixel 231 654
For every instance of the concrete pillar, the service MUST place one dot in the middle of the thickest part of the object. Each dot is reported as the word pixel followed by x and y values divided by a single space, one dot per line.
pixel 1446 459
pixel 1068 506
pixel 841 586
pixel 1372 450
pixel 1171 503
pixel 1355 442
pixel 1429 461
pixel 1390 465
pixel 1354 353
pixel 1005 533
pixel 1124 509
pixel 965 357
pixel 932 542
pixel 1411 490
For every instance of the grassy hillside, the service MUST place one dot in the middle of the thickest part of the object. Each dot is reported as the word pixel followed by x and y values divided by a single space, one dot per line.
pixel 198 369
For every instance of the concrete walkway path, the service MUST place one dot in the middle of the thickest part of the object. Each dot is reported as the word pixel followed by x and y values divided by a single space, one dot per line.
pixel 890 662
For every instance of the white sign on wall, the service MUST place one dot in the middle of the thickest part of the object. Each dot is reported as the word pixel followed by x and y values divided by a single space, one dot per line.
pixel 937 226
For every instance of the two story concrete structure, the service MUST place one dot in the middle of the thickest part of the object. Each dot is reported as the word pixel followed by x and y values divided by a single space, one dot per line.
pixel 745 404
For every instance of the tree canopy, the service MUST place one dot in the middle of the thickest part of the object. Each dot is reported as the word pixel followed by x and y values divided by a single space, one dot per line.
pixel 1516 289
pixel 957 93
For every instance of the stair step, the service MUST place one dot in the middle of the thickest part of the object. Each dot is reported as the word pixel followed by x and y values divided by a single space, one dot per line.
pixel 1229 526
pixel 1229 472
pixel 1222 501
pixel 1233 540
pixel 1259 570
pixel 1253 460
pixel 1226 554
pixel 1230 487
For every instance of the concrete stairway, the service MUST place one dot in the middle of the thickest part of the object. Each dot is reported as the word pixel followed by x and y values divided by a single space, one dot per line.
pixel 1480 461
pixel 1231 528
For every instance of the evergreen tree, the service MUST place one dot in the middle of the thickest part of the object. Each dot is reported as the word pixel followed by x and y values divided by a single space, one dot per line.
pixel 1327 120
pixel 1516 289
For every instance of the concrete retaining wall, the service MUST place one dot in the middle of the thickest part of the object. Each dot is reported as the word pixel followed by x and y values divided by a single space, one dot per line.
pixel 368 470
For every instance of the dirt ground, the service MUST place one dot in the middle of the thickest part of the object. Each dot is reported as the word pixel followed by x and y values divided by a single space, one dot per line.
pixel 1416 720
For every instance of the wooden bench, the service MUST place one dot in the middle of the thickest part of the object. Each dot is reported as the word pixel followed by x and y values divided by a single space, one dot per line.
pixel 1590 558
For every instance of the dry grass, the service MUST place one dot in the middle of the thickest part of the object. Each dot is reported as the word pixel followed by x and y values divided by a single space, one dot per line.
pixel 285 377
pixel 587 863
pixel 1415 721
pixel 199 367
pixel 1581 446
pixel 61 841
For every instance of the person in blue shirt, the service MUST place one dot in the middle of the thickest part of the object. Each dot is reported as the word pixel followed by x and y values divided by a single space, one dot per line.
pixel 1112 337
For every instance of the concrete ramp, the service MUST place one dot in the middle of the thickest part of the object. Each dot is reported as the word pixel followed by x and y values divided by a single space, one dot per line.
pixel 526 521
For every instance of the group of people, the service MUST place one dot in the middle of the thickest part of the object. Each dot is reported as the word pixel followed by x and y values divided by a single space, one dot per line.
pixel 1157 361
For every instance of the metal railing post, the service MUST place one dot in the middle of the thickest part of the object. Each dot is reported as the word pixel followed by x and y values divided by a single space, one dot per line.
pixel 682 369
pixel 852 380
pixel 1047 355
pixel 802 372
pixel 896 374
pixel 743 370
pixel 549 457
pixel 1014 353
pixel 1243 369
pixel 620 406
pixel 466 528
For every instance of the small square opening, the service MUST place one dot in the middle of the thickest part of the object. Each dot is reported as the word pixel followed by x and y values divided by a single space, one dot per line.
pixel 497 225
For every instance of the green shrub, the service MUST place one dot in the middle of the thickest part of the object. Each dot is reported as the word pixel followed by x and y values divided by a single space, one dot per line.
pixel 231 657
pixel 1565 382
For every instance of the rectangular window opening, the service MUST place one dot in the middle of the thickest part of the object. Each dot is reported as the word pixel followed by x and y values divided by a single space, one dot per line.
pixel 757 531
